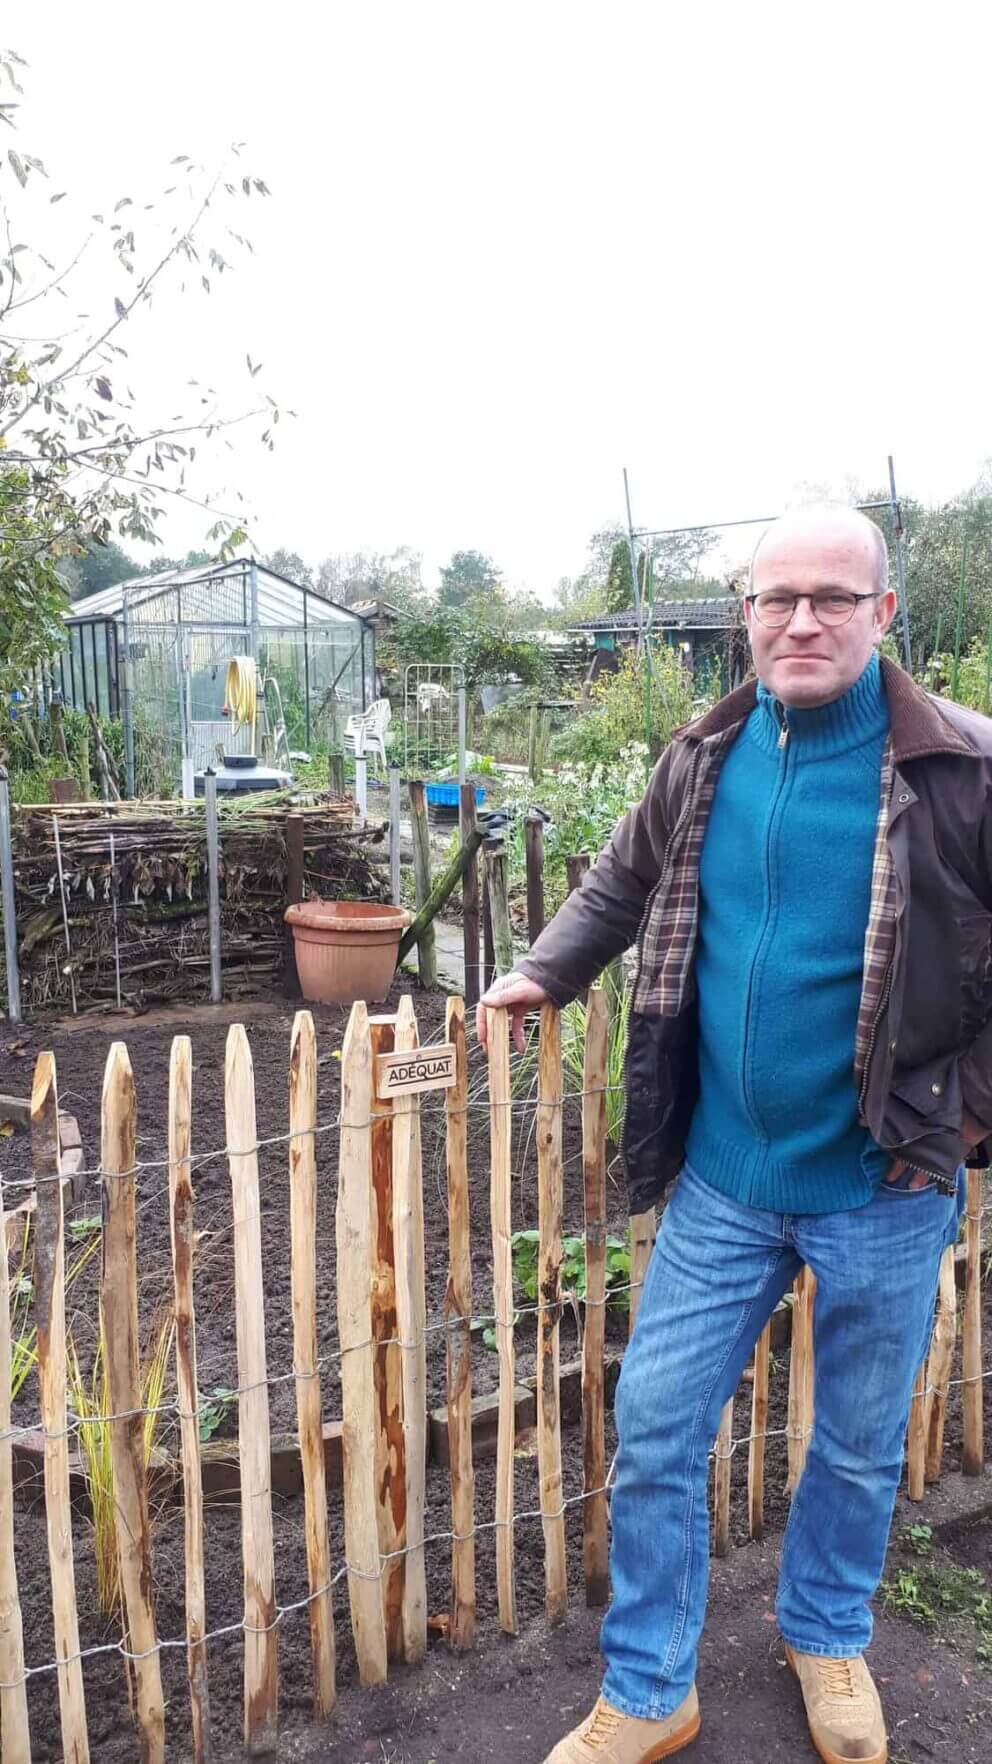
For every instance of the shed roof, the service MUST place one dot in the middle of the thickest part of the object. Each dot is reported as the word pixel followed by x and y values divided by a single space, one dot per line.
pixel 281 601
pixel 711 612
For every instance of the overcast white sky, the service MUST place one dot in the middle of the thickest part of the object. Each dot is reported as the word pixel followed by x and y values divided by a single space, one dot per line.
pixel 511 248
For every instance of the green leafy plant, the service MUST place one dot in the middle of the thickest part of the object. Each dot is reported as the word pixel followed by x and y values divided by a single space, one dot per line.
pixel 215 1406
pixel 525 1250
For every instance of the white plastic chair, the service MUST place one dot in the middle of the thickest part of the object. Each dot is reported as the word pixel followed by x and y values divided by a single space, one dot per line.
pixel 366 733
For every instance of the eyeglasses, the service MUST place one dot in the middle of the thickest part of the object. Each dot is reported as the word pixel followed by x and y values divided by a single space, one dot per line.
pixel 831 606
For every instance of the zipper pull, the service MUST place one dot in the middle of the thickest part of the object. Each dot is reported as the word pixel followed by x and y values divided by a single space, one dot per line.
pixel 784 731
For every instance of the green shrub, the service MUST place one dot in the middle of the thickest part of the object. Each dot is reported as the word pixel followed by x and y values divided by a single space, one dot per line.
pixel 622 711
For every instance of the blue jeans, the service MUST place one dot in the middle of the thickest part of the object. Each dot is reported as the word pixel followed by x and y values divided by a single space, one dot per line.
pixel 718 1270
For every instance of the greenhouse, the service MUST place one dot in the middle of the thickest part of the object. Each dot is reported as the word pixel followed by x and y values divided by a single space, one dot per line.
pixel 303 667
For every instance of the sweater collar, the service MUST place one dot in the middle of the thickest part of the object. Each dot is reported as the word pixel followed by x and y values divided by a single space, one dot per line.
pixel 921 723
pixel 859 715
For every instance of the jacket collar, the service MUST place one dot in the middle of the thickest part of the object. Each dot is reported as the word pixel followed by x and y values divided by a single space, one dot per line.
pixel 920 723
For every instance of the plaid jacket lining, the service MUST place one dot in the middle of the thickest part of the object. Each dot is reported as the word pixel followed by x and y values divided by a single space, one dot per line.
pixel 672 921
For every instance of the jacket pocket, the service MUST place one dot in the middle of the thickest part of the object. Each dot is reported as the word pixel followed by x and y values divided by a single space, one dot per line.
pixel 974 940
pixel 923 1102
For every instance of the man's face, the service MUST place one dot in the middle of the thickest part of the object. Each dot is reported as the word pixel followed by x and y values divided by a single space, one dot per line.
pixel 805 663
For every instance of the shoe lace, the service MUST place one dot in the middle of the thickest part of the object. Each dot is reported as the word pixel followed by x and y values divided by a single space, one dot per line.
pixel 838 1679
pixel 603 1725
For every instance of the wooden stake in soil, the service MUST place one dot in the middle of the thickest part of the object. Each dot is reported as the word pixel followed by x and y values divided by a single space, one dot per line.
pixel 411 1322
pixel 261 1656
pixel 800 1376
pixel 721 1480
pixel 595 1548
pixel 940 1363
pixel 917 1441
pixel 759 1428
pixel 470 896
pixel 49 1257
pixel 488 951
pixel 303 1266
pixel 13 1698
pixel 534 854
pixel 426 952
pixel 550 1201
pixel 187 1388
pixel 390 1452
pixel 499 1143
pixel 973 1458
pixel 499 907
pixel 643 1231
pixel 119 1323
pixel 354 1280
pixel 458 1311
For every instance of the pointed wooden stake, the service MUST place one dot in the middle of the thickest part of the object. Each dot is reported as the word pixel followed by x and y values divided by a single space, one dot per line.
pixel 303 1227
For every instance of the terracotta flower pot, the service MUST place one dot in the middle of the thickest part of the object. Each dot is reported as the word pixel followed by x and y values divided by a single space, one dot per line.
pixel 345 949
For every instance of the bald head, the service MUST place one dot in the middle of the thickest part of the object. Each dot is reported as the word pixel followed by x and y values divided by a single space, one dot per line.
pixel 827 527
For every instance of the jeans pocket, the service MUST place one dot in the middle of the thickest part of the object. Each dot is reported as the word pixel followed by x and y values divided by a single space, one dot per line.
pixel 903 1185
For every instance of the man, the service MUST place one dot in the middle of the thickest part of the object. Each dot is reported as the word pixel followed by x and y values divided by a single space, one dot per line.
pixel 809 880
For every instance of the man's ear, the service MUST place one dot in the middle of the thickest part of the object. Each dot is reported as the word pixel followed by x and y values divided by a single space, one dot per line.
pixel 886 608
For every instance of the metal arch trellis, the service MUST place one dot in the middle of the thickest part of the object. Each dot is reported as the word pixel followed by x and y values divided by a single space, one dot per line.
pixel 430 713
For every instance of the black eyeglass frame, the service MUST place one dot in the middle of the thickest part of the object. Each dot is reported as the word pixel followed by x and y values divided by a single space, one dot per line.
pixel 810 595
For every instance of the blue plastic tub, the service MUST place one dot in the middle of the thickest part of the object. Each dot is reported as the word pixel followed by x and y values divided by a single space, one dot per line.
pixel 446 795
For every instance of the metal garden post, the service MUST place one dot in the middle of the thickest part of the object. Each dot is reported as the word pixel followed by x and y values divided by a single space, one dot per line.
pixel 124 685
pixel 900 565
pixel 394 834
pixel 9 910
pixel 213 881
pixel 461 734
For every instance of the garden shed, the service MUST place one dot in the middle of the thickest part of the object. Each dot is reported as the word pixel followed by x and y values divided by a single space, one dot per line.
pixel 315 663
pixel 705 627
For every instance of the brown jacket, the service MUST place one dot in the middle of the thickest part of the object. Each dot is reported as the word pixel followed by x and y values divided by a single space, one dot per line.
pixel 926 1054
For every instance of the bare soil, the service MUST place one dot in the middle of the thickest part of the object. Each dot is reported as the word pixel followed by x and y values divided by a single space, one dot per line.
pixel 510 1700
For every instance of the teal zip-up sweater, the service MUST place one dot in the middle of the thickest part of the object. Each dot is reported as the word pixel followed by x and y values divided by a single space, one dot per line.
pixel 785 885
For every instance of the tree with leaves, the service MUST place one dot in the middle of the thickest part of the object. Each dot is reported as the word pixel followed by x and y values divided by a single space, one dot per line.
pixel 84 452
pixel 469 576
pixel 290 564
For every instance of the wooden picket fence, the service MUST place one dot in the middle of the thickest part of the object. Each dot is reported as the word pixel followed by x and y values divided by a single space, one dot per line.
pixel 382 1329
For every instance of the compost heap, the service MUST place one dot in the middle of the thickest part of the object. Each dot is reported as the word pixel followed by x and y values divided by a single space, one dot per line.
pixel 147 911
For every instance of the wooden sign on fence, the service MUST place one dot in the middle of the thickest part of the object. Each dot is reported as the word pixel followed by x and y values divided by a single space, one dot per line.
pixel 413 1071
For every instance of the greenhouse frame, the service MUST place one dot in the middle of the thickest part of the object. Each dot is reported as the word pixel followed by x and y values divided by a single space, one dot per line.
pixel 178 632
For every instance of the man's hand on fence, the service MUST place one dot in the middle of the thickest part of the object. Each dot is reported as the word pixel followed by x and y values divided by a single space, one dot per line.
pixel 516 994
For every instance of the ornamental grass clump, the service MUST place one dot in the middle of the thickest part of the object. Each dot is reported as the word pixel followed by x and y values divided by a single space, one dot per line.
pixel 89 1399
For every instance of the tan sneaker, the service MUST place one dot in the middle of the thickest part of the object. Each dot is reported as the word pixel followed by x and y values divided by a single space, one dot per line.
pixel 842 1707
pixel 607 1737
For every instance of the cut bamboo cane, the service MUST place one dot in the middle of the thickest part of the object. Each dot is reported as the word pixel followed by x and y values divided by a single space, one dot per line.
pixel 643 1230
pixel 411 1322
pixel 181 1204
pixel 458 1312
pixel 354 1281
pixel 119 1325
pixel 759 1428
pixel 49 1253
pixel 261 1654
pixel 550 1182
pixel 426 951
pixel 973 1458
pixel 721 1480
pixel 916 1448
pixel 303 1266
pixel 13 1697
pixel 595 1547
pixel 499 1142
pixel 390 1452
pixel 940 1363
pixel 800 1377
